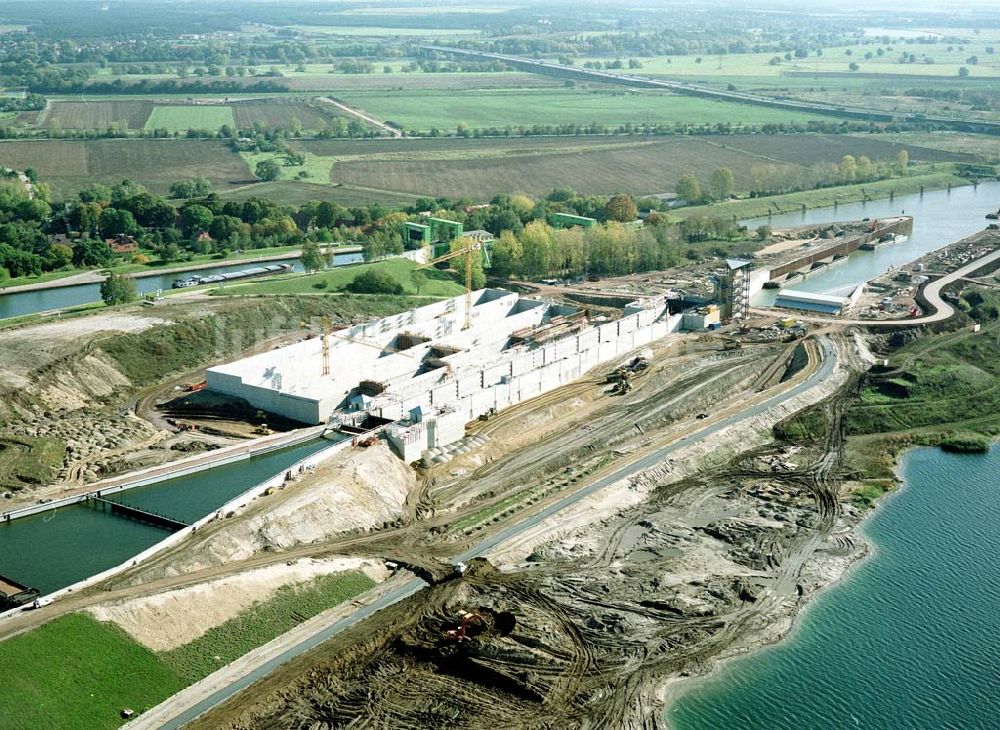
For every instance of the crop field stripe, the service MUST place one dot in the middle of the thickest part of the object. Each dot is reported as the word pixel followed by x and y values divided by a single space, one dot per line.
pixel 180 118
pixel 519 107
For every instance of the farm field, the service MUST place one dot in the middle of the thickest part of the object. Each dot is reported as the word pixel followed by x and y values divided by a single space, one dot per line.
pixel 373 31
pixel 836 60
pixel 900 103
pixel 182 117
pixel 513 108
pixel 278 113
pixel 808 149
pixel 983 146
pixel 294 192
pixel 318 78
pixel 125 115
pixel 70 166
pixel 480 169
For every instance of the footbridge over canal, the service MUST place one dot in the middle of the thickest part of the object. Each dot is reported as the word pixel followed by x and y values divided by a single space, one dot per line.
pixel 75 541
pixel 134 513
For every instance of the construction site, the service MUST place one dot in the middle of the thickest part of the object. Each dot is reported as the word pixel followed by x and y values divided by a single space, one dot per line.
pixel 431 370
pixel 567 499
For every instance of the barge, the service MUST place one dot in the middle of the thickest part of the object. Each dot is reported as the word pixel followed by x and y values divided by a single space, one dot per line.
pixel 254 272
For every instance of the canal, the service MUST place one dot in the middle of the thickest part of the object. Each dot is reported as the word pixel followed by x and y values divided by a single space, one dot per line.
pixel 19 304
pixel 940 217
pixel 54 549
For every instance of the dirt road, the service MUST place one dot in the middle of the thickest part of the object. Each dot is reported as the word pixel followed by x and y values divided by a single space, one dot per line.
pixel 195 701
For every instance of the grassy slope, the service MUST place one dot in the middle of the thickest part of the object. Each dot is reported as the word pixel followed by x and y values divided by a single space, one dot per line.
pixel 75 673
pixel 948 383
pixel 439 284
pixel 29 460
pixel 255 627
pixel 146 357
pixel 78 674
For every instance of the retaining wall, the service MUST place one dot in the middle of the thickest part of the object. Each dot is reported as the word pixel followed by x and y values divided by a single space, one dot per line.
pixel 237 502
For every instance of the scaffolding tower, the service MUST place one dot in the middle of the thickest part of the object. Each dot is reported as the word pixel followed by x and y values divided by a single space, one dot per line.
pixel 735 289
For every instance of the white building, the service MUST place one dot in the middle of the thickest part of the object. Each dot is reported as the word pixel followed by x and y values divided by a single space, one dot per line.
pixel 420 367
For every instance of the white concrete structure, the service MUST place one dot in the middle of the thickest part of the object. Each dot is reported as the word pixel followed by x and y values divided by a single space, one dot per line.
pixel 811 301
pixel 422 369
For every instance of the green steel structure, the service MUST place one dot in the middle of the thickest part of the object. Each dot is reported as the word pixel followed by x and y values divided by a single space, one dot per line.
pixel 568 220
pixel 436 232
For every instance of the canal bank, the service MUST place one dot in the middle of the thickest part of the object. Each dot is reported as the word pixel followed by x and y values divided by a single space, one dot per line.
pixel 57 295
pixel 940 218
pixel 67 545
pixel 908 639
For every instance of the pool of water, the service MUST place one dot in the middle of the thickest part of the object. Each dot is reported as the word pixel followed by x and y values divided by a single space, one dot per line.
pixel 55 549
pixel 940 217
pixel 910 639
pixel 19 304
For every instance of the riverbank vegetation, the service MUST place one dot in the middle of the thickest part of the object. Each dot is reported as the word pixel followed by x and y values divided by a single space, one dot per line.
pixel 426 282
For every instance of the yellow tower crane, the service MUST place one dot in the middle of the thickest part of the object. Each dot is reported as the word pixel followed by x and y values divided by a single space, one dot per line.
pixel 467 251
pixel 325 345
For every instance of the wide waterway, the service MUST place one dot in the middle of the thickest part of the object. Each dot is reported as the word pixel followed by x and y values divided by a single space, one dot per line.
pixel 940 217
pixel 19 304
pixel 55 549
pixel 911 637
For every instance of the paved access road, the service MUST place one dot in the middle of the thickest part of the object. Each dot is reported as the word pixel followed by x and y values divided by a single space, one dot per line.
pixel 198 699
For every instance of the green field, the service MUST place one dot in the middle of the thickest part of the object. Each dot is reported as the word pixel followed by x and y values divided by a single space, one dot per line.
pixel 381 32
pixel 439 283
pixel 184 117
pixel 77 674
pixel 501 108
pixel 834 60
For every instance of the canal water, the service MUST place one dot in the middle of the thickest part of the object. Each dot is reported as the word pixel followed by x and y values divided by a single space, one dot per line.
pixel 41 300
pixel 55 549
pixel 910 639
pixel 940 217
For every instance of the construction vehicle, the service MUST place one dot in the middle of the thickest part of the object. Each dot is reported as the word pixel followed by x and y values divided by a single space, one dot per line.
pixel 622 387
pixel 472 624
pixel 636 365
pixel 466 251
pixel 488 415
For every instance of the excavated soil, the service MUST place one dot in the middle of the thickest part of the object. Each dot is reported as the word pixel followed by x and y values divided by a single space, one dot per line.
pixel 657 577
pixel 164 621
